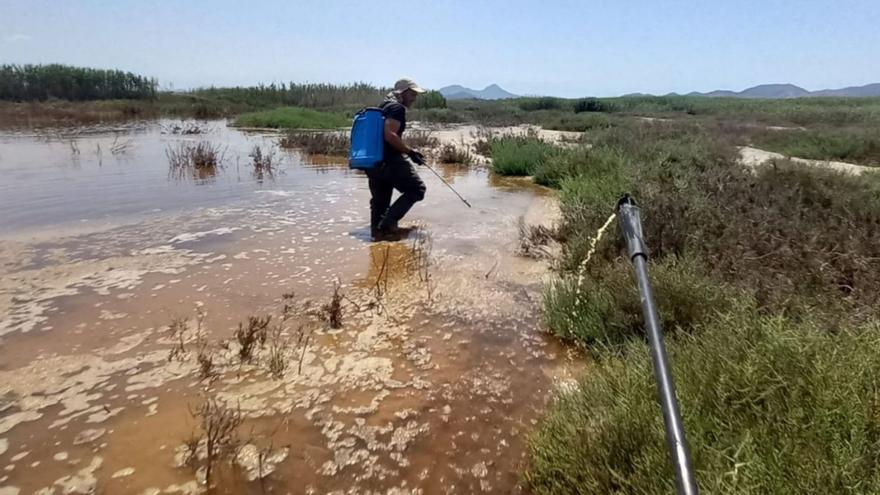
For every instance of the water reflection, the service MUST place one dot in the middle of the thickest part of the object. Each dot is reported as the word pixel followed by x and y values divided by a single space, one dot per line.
pixel 390 263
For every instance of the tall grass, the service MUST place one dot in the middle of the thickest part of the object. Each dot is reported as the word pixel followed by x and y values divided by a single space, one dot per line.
pixel 770 405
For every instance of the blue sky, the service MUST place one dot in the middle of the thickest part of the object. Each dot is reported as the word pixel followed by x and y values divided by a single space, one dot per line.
pixel 565 48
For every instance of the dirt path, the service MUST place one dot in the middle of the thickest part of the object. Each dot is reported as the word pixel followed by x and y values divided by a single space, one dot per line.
pixel 431 384
pixel 753 157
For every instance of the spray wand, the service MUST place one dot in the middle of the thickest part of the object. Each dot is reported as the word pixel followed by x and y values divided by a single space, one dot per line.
pixel 447 184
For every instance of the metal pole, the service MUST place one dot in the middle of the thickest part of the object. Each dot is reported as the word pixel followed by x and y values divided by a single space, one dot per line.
pixel 631 227
pixel 447 184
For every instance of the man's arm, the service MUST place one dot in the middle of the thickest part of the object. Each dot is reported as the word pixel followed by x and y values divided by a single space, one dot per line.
pixel 391 137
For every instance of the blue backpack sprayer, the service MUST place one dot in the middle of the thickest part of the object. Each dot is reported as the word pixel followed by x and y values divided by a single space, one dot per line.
pixel 368 144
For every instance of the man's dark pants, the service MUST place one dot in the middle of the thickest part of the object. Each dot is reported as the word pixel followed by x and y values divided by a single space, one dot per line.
pixel 397 172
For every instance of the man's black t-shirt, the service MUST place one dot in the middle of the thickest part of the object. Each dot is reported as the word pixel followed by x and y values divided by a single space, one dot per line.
pixel 394 110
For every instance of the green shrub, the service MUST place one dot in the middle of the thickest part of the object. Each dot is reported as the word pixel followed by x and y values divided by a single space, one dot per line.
pixel 769 406
pixel 594 166
pixel 602 306
pixel 293 118
pixel 430 99
pixel 540 103
pixel 518 155
pixel 592 105
pixel 575 122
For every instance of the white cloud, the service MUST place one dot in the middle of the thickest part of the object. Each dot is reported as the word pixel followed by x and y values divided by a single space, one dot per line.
pixel 17 37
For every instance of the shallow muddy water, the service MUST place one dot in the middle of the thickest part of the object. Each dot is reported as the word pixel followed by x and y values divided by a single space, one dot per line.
pixel 119 282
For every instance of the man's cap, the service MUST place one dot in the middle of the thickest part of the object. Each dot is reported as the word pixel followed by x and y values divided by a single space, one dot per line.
pixel 405 84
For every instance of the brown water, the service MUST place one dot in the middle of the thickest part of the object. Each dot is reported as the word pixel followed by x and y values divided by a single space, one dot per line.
pixel 438 374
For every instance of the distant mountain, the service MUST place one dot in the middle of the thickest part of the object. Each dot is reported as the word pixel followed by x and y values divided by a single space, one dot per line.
pixel 855 91
pixel 774 91
pixel 782 91
pixel 491 92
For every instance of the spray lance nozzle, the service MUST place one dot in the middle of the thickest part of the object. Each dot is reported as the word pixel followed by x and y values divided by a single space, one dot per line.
pixel 630 221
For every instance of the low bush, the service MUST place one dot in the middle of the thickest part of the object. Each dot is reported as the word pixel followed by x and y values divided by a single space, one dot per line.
pixel 596 166
pixel 601 305
pixel 519 155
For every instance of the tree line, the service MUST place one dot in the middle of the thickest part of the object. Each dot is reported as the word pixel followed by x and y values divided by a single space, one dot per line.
pixel 42 82
pixel 313 95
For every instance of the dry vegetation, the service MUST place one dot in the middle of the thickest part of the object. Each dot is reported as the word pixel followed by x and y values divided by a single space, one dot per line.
pixel 421 248
pixel 250 335
pixel 216 440
pixel 421 139
pixel 332 311
pixel 184 128
pixel 318 142
pixel 455 154
pixel 533 239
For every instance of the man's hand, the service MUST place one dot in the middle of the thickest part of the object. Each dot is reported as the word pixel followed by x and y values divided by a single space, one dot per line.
pixel 417 157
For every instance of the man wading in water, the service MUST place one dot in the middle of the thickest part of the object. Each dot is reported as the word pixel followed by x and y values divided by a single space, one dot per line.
pixel 397 170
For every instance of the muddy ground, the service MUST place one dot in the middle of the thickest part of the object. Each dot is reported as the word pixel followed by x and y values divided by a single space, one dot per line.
pixel 123 288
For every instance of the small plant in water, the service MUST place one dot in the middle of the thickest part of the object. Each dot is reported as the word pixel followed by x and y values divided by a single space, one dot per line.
pixel 264 163
pixel 183 129
pixel 279 353
pixel 332 311
pixel 199 161
pixel 119 147
pixel 420 260
pixel 250 335
pixel 218 436
pixel 177 332
pixel 207 369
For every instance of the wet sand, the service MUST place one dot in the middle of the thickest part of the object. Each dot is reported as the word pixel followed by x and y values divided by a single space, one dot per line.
pixel 437 375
